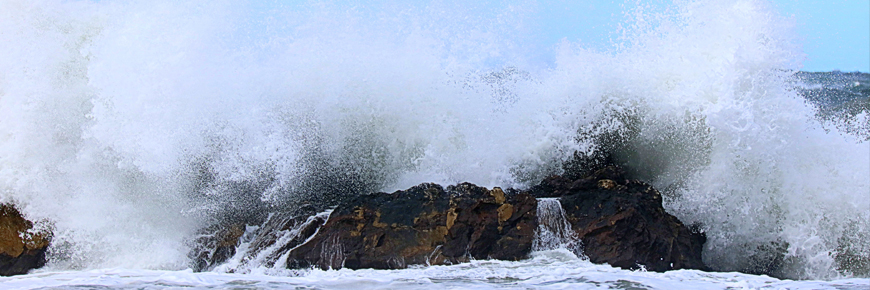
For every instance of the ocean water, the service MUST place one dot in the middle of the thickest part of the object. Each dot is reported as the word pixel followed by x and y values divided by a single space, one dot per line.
pixel 127 127
pixel 558 269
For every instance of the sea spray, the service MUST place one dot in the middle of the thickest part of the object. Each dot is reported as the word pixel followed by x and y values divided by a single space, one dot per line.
pixel 131 125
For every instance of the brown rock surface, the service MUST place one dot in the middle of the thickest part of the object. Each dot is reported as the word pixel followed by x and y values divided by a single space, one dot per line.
pixel 424 225
pixel 622 222
pixel 215 246
pixel 20 249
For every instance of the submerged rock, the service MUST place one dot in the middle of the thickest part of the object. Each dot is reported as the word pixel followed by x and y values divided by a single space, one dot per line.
pixel 622 222
pixel 21 249
pixel 424 225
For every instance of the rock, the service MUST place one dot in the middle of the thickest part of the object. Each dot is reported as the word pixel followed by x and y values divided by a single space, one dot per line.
pixel 277 234
pixel 282 233
pixel 619 221
pixel 21 248
pixel 424 225
pixel 622 222
pixel 215 245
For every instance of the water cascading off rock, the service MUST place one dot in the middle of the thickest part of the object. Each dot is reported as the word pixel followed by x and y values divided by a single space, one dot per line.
pixel 621 222
pixel 618 221
pixel 554 231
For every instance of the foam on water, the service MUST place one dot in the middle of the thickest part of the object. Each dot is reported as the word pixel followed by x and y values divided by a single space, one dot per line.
pixel 558 269
pixel 128 126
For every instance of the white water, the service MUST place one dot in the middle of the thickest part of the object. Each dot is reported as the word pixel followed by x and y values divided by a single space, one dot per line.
pixel 547 270
pixel 554 231
pixel 127 126
pixel 271 259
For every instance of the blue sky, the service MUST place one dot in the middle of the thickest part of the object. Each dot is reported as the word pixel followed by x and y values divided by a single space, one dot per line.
pixel 835 34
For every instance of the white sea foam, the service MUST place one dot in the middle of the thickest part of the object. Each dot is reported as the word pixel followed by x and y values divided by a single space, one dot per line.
pixel 548 270
pixel 127 125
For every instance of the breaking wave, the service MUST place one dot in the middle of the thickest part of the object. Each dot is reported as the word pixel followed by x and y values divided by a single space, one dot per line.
pixel 127 127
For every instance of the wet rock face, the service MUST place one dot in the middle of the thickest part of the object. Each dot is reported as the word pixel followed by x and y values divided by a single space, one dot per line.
pixel 424 225
pixel 215 245
pixel 271 237
pixel 21 250
pixel 622 222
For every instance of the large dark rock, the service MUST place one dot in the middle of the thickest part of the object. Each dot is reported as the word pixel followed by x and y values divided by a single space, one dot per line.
pixel 622 222
pixel 424 225
pixel 21 250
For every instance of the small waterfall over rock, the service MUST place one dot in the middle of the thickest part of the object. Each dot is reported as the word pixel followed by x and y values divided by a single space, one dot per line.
pixel 554 231
pixel 268 245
